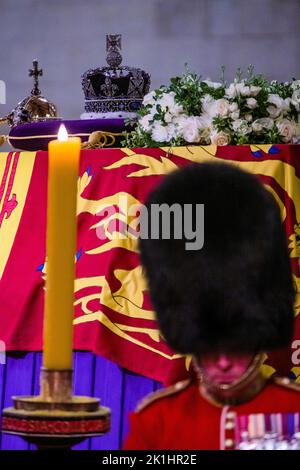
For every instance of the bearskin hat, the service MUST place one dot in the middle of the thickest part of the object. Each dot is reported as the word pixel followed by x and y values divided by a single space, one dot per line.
pixel 234 294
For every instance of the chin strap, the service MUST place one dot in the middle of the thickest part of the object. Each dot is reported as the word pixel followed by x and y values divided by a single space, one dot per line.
pixel 239 391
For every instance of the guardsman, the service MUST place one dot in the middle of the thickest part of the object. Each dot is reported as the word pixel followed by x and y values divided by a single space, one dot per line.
pixel 227 304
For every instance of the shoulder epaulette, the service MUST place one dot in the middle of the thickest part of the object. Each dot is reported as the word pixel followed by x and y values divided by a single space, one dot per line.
pixel 162 393
pixel 287 383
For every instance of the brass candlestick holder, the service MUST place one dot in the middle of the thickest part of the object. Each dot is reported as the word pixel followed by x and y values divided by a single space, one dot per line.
pixel 56 418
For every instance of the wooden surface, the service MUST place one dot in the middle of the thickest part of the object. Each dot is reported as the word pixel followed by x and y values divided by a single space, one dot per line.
pixel 118 389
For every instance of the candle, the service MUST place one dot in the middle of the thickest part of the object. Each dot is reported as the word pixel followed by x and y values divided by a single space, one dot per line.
pixel 63 162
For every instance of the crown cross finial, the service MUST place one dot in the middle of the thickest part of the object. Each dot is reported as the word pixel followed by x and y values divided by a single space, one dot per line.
pixel 35 72
pixel 114 88
pixel 113 48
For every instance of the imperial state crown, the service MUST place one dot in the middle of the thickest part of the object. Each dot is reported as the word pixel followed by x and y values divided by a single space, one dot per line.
pixel 114 90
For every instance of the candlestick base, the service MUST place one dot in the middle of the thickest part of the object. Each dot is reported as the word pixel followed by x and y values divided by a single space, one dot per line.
pixel 56 418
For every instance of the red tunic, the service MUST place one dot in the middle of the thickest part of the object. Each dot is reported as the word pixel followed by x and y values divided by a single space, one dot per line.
pixel 183 419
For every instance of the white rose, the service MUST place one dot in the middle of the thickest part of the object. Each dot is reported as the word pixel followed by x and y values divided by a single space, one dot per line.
pixel 295 85
pixel 152 111
pixel 168 117
pixel 267 123
pixel 243 89
pixel 273 111
pixel 233 107
pixel 235 115
pixel 190 129
pixel 168 103
pixel 296 95
pixel 236 89
pixel 287 102
pixel 262 123
pixel 179 121
pixel 251 103
pixel 222 107
pixel 286 106
pixel 257 126
pixel 275 100
pixel 236 124
pixel 286 129
pixel 276 107
pixel 149 98
pixel 254 90
pixel 159 133
pixel 166 100
pixel 248 117
pixel 219 138
pixel 204 121
pixel 241 127
pixel 176 109
pixel 217 108
pixel 145 122
pixel 231 91
pixel 296 99
pixel 172 132
pixel 206 103
pixel 211 84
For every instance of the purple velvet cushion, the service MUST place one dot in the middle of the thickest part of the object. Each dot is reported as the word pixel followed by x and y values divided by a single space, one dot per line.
pixel 36 136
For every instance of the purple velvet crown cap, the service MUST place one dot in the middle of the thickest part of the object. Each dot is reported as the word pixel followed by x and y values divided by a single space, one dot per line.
pixel 36 136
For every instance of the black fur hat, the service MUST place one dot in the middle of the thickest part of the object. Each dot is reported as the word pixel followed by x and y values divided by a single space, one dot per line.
pixel 236 293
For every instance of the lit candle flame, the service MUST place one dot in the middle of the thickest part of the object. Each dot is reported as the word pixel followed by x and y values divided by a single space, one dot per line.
pixel 62 133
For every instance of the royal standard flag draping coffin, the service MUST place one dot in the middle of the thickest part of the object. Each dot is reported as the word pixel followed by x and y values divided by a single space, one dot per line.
pixel 113 313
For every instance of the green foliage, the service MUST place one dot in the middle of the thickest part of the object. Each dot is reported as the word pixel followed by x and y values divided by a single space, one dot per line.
pixel 173 111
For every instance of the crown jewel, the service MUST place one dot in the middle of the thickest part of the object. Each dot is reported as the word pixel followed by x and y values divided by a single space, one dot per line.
pixel 114 88
pixel 33 108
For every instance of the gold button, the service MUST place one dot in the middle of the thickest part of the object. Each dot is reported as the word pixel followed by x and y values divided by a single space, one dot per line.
pixel 229 443
pixel 229 425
